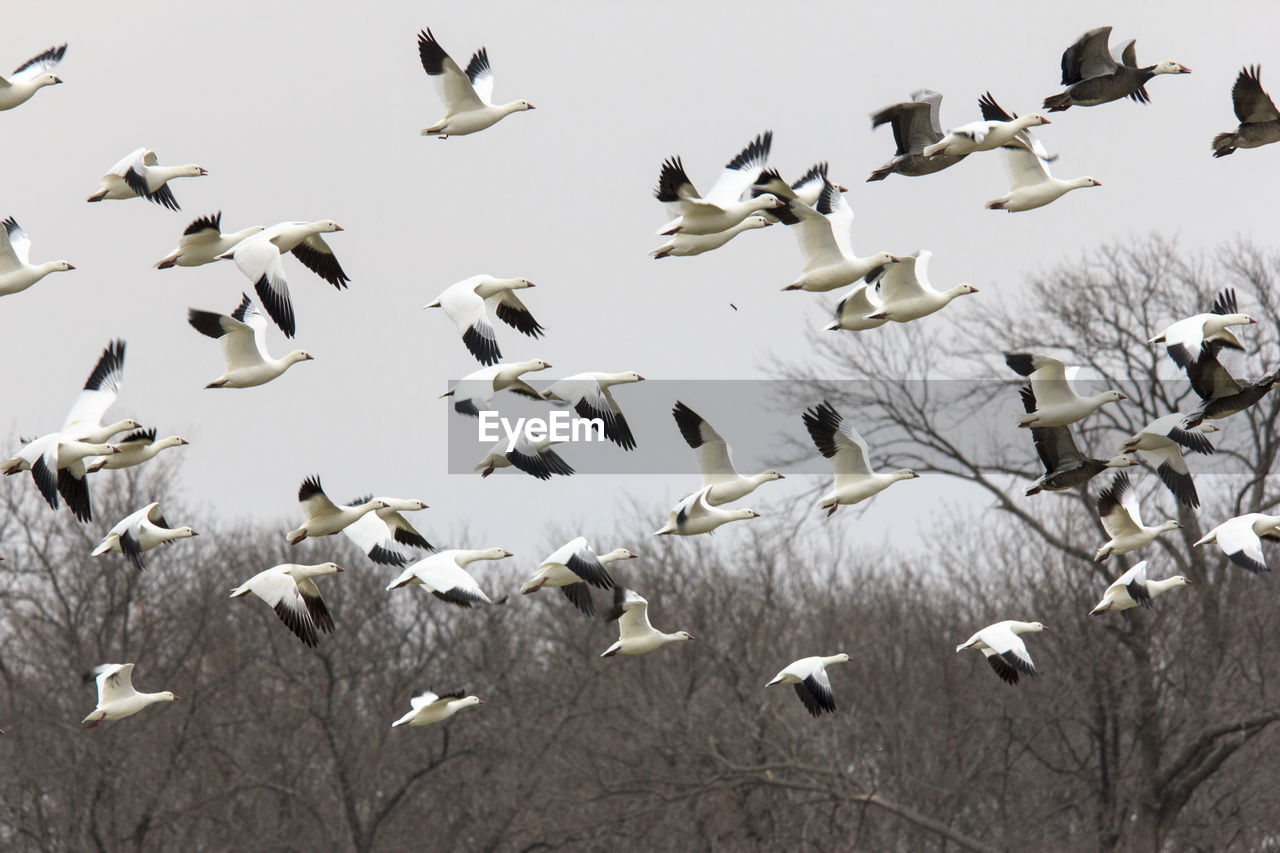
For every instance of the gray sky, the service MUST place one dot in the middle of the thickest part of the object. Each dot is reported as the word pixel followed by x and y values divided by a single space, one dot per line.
pixel 311 111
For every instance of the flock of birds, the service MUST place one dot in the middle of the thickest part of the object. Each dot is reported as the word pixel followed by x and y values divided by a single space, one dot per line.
pixel 747 195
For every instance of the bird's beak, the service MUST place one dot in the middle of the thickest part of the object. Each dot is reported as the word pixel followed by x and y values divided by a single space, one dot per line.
pixel 204 171
pixel 914 475
pixel 194 533
pixel 641 378
pixel 1190 582
pixel 435 304
pixel 340 569
pixel 507 554
pixel 1097 183
pixel 532 107
pixel 338 228
pixel 175 697
pixel 842 188
pixel 1182 69
pixel 973 289
pixel 57 80
pixel 1123 397
pixel 1046 120
pixel 478 699
pixel 70 266
pixel 782 476
pixel 1252 321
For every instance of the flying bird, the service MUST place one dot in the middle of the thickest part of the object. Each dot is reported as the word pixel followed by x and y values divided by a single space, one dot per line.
pixel 572 568
pixel 715 459
pixel 589 395
pixel 140 531
pixel 290 590
pixel 140 174
pixel 445 575
pixel 476 390
pixel 17 273
pixel 728 202
pixel 429 708
pixel 915 127
pixel 1065 467
pixel 472 305
pixel 468 97
pixel 1095 75
pixel 243 335
pixel 203 242
pixel 1259 119
pixel 116 697
pixel 636 636
pixel 1121 517
pixel 1240 539
pixel 840 443
pixel 384 534
pixel 1133 588
pixel 324 517
pixel 30 77
pixel 813 686
pixel 1004 649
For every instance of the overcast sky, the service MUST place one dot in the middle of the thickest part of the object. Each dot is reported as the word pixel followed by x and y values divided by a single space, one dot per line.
pixel 312 110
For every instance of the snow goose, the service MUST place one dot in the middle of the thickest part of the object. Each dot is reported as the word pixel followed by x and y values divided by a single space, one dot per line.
pixel 1065 467
pixel 134 449
pixel 1032 185
pixel 813 686
pixel 687 245
pixel 636 636
pixel 823 235
pixel 1122 519
pixel 381 533
pixel 1259 119
pixel 571 568
pixel 430 708
pixel 473 303
pixel 476 390
pixel 1187 340
pixel 1240 538
pixel 535 458
pixel 468 97
pixel 140 174
pixel 1057 403
pixel 116 697
pixel 905 293
pixel 52 459
pixel 694 515
pixel 1163 440
pixel 203 242
pixel 715 459
pixel 141 531
pixel 445 575
pixel 243 335
pixel 853 311
pixel 807 188
pixel 17 273
pixel 838 441
pixel 589 395
pixel 30 77
pixel 723 207
pixel 1004 649
pixel 996 130
pixel 290 591
pixel 1094 75
pixel 324 517
pixel 1133 588
pixel 1221 394
pixel 915 126
pixel 259 258
pixel 84 420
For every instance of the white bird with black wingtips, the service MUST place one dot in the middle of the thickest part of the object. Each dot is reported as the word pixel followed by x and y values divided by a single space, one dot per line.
pixel 259 257
pixel 476 390
pixel 1057 403
pixel 1240 538
pixel 813 685
pixel 429 708
pixel 140 174
pixel 715 459
pixel 823 234
pixel 467 96
pixel 905 293
pixel 140 531
pixel 724 206
pixel 997 129
pixel 289 590
pixel 1004 649
pixel 324 517
pixel 384 534
pixel 1163 440
pixel 17 273
pixel 1187 339
pixel 30 77
pixel 589 395
pixel 1133 588
pixel 116 697
pixel 636 636
pixel 472 305
pixel 694 516
pixel 571 568
pixel 688 245
pixel 203 242
pixel 134 449
pixel 1032 185
pixel 1121 517
pixel 445 575
pixel 839 442
pixel 243 335
pixel 535 458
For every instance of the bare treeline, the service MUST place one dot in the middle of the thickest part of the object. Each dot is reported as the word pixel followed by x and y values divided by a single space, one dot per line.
pixel 1147 731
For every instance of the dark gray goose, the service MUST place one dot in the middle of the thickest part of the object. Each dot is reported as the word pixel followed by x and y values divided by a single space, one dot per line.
pixel 1221 394
pixel 915 127
pixel 1094 75
pixel 1259 119
pixel 1065 467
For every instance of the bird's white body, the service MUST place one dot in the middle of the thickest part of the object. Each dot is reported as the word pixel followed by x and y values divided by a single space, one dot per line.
pixel 1122 519
pixel 813 685
pixel 134 450
pixel 116 697
pixel 823 235
pixel 1004 649
pixel 430 708
pixel 694 515
pixel 289 589
pixel 17 273
pixel 1057 403
pixel 30 77
pixel 636 636
pixel 556 571
pixel 1240 539
pixel 684 245
pixel 324 517
pixel 140 531
pixel 905 293
pixel 243 336
pixel 140 174
pixel 715 460
pixel 1133 588
pixel 983 135
pixel 474 304
pixel 203 243
pixel 1032 184
pixel 839 442
pixel 445 575
pixel 467 95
